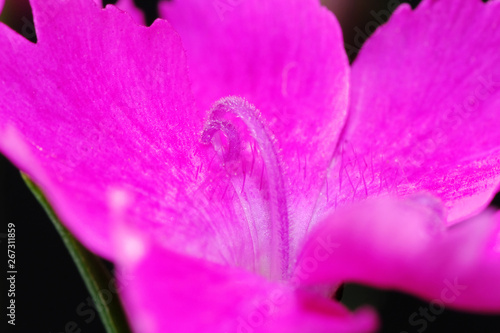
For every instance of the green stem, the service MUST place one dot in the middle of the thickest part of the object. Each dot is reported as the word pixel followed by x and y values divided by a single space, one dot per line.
pixel 96 276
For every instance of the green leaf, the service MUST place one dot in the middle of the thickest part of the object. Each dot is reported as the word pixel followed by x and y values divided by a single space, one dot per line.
pixel 95 275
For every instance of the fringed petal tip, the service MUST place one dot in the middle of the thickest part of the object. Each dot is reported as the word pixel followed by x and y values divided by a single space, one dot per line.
pixel 129 7
pixel 79 141
pixel 429 120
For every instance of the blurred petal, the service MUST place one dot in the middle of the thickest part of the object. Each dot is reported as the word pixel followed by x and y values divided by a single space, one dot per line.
pixel 425 108
pixel 166 292
pixel 405 245
pixel 97 103
pixel 291 66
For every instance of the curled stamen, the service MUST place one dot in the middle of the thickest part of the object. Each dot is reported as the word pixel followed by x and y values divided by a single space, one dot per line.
pixel 233 138
pixel 278 215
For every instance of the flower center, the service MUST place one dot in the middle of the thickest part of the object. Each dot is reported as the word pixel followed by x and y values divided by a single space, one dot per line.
pixel 245 132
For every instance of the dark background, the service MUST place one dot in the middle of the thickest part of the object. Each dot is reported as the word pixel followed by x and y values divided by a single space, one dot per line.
pixel 49 289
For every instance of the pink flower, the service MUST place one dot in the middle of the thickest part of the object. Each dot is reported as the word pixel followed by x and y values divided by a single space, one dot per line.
pixel 149 144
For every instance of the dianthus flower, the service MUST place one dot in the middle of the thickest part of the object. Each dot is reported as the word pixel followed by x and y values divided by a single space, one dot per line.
pixel 240 170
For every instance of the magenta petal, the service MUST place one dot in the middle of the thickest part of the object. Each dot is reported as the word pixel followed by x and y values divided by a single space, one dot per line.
pixel 2 2
pixel 286 58
pixel 97 103
pixel 425 107
pixel 167 292
pixel 405 245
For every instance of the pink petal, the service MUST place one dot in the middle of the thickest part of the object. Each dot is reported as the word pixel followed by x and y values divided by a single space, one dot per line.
pixel 167 292
pixel 99 102
pixel 405 245
pixel 110 116
pixel 287 59
pixel 2 2
pixel 425 108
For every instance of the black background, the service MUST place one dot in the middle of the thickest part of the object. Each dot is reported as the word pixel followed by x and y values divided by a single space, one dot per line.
pixel 49 288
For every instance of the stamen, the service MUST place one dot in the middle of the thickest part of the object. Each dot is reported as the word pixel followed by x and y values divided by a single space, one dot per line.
pixel 231 134
pixel 278 215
